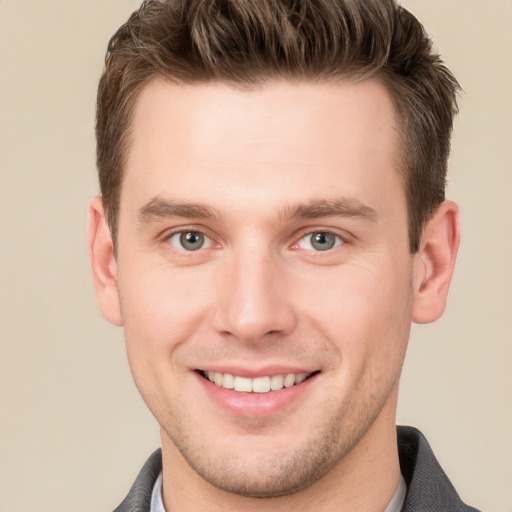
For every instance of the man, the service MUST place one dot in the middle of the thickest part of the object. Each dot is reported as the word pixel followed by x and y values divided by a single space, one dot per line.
pixel 272 219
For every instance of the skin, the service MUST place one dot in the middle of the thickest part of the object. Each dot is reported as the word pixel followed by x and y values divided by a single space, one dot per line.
pixel 258 296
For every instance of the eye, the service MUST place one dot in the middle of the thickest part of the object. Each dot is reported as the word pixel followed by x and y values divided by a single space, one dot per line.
pixel 190 240
pixel 319 241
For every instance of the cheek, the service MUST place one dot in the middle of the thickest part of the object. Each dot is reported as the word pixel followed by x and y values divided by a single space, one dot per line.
pixel 365 313
pixel 161 310
pixel 162 304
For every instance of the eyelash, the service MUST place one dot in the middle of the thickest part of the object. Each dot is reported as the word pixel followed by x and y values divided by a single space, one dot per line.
pixel 338 240
pixel 180 233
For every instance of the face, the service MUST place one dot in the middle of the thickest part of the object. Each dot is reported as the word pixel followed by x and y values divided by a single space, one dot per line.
pixel 264 276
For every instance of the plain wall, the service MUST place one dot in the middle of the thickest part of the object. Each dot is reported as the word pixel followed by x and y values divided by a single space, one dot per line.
pixel 73 430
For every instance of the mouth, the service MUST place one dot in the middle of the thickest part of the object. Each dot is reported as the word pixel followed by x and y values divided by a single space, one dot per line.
pixel 264 384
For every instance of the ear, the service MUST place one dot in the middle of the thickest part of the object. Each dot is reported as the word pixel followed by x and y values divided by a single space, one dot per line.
pixel 434 264
pixel 103 263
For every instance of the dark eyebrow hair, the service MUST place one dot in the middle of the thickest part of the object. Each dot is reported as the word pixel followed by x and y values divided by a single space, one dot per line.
pixel 344 207
pixel 159 208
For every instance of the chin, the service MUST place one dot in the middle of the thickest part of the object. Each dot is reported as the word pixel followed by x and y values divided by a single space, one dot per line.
pixel 264 469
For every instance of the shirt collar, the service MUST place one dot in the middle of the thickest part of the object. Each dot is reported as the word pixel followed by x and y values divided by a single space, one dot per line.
pixel 157 503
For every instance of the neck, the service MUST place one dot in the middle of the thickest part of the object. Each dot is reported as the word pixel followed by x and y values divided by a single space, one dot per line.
pixel 366 479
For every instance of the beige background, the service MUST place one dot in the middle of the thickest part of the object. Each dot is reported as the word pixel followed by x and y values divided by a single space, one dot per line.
pixel 73 430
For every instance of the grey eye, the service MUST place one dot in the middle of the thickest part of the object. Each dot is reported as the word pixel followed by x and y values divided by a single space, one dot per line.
pixel 189 240
pixel 323 241
pixel 192 241
pixel 320 241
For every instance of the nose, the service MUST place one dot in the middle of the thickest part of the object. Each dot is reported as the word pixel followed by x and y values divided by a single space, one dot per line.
pixel 255 301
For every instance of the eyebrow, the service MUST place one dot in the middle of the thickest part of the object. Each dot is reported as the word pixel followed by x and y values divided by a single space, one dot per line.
pixel 341 207
pixel 160 208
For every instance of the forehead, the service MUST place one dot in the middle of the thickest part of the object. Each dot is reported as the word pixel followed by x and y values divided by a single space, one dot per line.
pixel 281 138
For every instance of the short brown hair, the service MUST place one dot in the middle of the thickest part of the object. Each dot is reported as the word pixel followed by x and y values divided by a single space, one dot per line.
pixel 244 42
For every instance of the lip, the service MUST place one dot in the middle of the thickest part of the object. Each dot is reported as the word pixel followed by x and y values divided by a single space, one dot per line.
pixel 256 405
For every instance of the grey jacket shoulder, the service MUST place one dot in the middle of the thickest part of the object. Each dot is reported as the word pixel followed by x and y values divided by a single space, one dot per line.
pixel 428 487
pixel 139 497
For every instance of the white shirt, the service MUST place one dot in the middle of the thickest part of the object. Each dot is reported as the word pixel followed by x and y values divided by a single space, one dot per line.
pixel 395 505
pixel 157 503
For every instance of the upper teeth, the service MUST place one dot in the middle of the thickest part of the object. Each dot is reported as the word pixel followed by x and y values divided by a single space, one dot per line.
pixel 257 385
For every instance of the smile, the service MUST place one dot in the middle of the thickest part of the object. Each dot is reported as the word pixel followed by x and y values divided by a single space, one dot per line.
pixel 256 385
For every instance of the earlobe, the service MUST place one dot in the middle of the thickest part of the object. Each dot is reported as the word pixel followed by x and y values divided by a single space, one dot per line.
pixel 435 262
pixel 103 263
